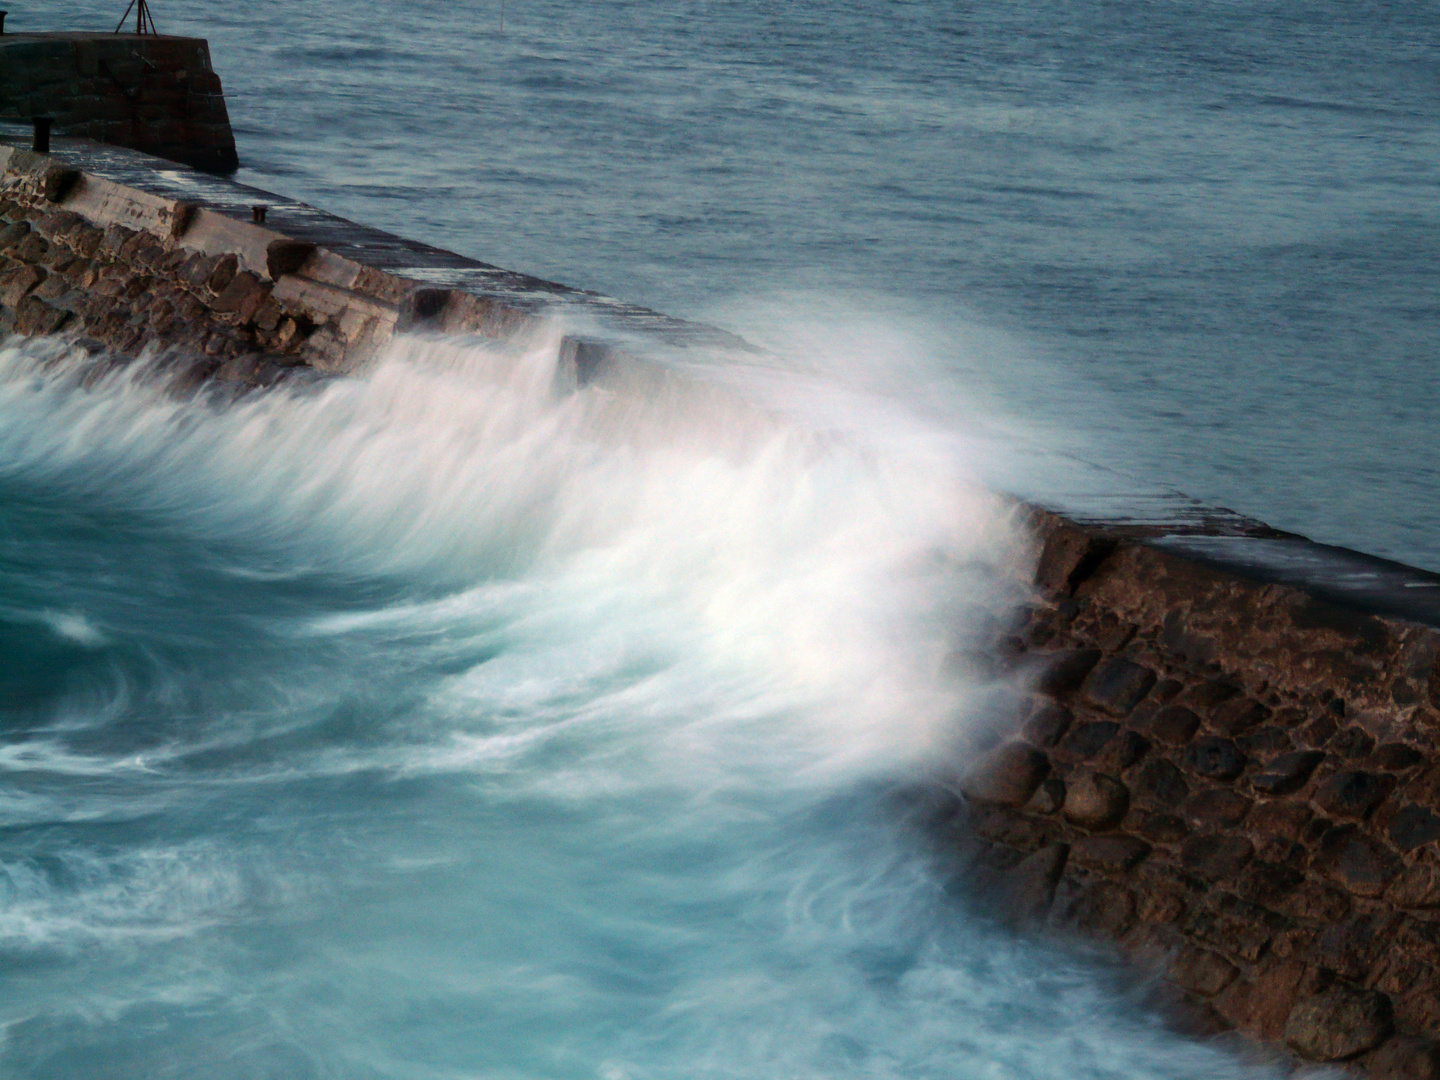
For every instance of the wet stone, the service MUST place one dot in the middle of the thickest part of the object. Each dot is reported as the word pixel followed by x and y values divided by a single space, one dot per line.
pixel 1214 758
pixel 1414 825
pixel 1395 757
pixel 1339 1024
pixel 1201 971
pixel 1279 850
pixel 1315 901
pixel 1214 856
pixel 1065 671
pixel 1007 776
pixel 1109 854
pixel 1029 889
pixel 1096 801
pixel 1239 928
pixel 1047 723
pixel 1417 887
pixel 1086 740
pixel 1287 773
pixel 1159 783
pixel 1103 908
pixel 1173 725
pixel 1265 740
pixel 1405 1058
pixel 1363 865
pixel 1049 797
pixel 1119 753
pixel 1239 715
pixel 1352 742
pixel 1117 685
pixel 1210 694
pixel 1216 808
pixel 1267 884
pixel 1161 828
pixel 1351 948
pixel 1353 794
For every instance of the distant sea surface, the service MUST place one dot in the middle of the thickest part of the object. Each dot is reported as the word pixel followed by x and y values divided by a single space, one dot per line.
pixel 430 725
pixel 1208 232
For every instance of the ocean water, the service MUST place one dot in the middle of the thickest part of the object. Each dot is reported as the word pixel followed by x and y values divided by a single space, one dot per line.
pixel 434 725
pixel 1192 239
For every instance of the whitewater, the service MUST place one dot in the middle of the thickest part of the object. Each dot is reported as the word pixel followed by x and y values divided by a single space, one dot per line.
pixel 439 723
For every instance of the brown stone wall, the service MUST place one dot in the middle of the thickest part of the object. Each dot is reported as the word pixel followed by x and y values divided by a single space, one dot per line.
pixel 1237 782
pixel 123 271
pixel 152 93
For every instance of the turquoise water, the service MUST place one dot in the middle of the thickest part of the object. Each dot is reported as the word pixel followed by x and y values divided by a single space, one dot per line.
pixel 430 725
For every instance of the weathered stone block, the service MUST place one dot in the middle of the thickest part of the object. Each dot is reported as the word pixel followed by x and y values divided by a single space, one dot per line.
pixel 1215 856
pixel 1049 797
pixel 1339 1024
pixel 1417 887
pixel 1395 757
pixel 17 282
pixel 1117 685
pixel 1353 794
pixel 1405 1058
pixel 1007 776
pixel 1065 671
pixel 1201 971
pixel 1357 861
pixel 1109 854
pixel 1215 808
pixel 1287 773
pixel 1267 884
pixel 1412 826
pixel 1159 783
pixel 1237 716
pixel 242 297
pixel 1047 722
pixel 1121 752
pixel 1351 949
pixel 1264 741
pixel 1029 889
pixel 1095 801
pixel 1087 739
pixel 1235 926
pixel 34 316
pixel 1261 1002
pixel 1352 742
pixel 1162 828
pixel 1173 725
pixel 1104 908
pixel 1214 758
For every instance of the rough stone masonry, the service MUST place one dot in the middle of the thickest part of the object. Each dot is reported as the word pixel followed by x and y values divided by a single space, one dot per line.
pixel 1237 781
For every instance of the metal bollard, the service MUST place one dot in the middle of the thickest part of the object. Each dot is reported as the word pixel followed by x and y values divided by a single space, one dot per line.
pixel 41 143
pixel 2 22
pixel 257 214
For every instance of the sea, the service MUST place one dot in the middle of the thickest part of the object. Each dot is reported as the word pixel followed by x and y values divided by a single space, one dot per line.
pixel 430 724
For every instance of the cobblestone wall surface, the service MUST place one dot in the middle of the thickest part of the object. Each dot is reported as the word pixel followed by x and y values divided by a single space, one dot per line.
pixel 1235 781
pixel 153 93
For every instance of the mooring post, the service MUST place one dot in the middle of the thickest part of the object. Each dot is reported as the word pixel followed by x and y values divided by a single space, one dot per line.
pixel 257 214
pixel 41 143
pixel 2 22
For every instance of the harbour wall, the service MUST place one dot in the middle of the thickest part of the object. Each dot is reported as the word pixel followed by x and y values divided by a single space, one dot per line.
pixel 150 92
pixel 1228 764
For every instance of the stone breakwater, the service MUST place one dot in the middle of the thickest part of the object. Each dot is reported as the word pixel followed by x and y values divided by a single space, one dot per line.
pixel 1229 765
pixel 1238 782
